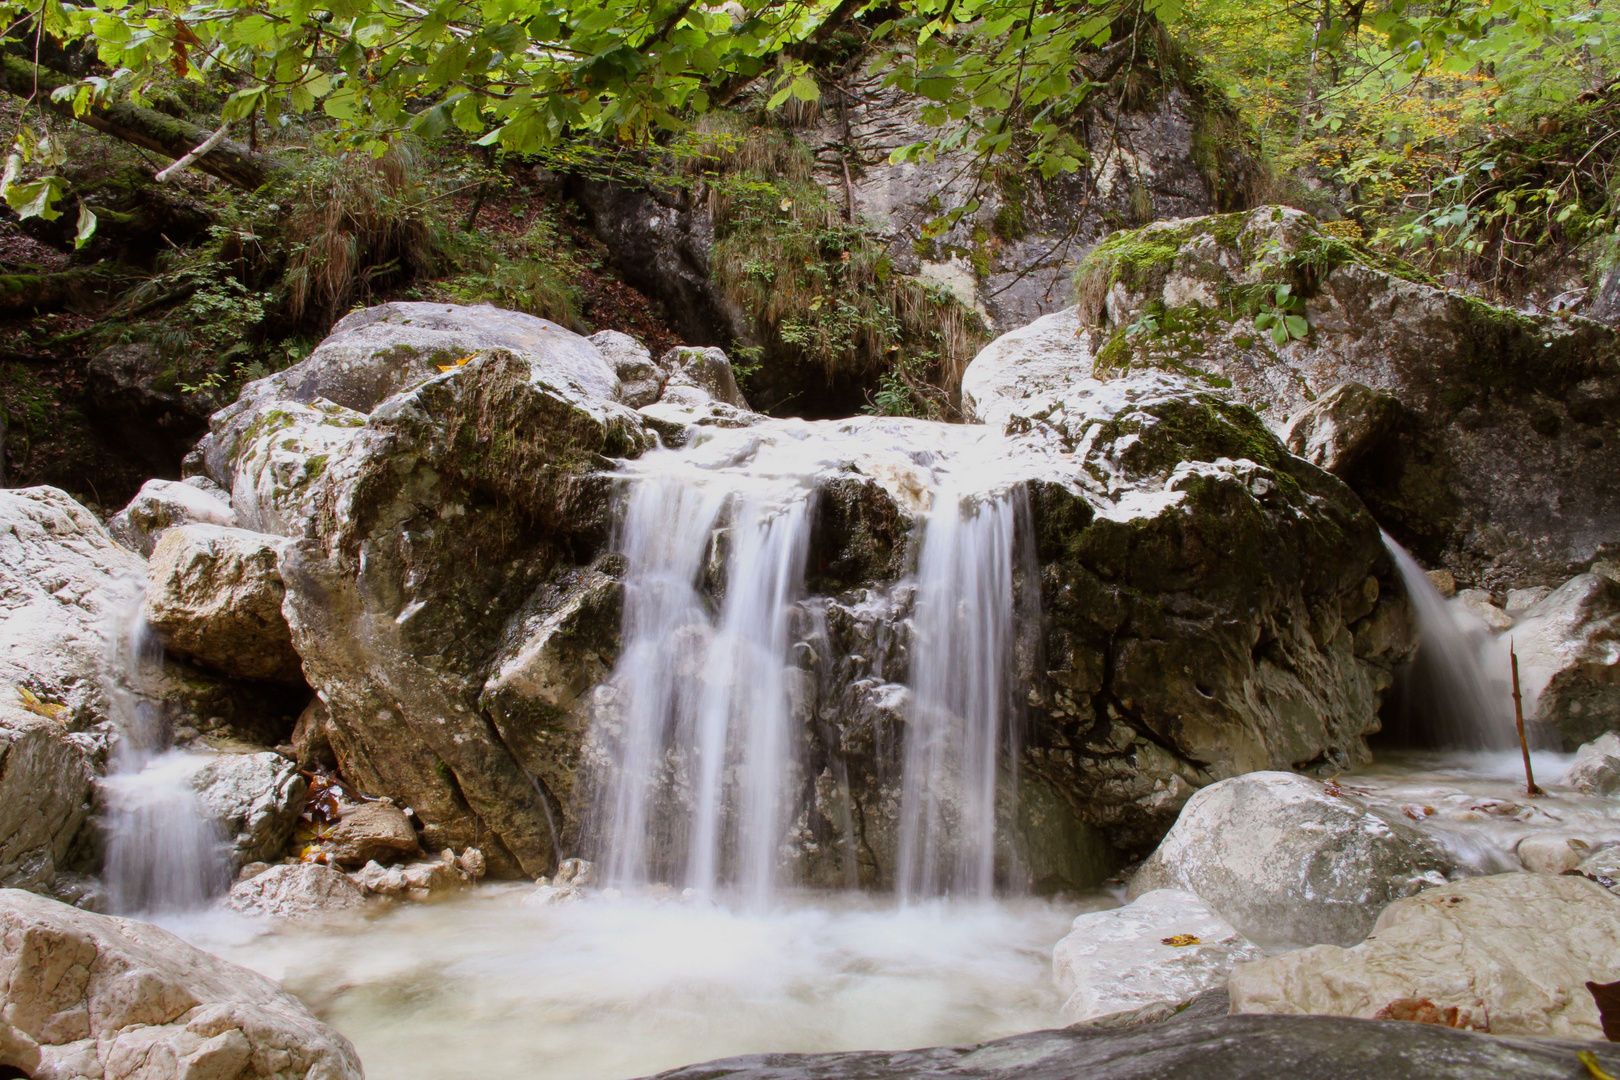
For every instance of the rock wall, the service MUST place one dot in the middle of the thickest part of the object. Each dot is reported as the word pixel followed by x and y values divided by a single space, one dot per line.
pixel 1495 456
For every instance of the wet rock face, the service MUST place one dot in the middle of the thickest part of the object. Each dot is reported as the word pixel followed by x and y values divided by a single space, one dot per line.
pixel 89 995
pixel 1509 954
pixel 1495 462
pixel 1569 659
pixel 1212 604
pixel 256 798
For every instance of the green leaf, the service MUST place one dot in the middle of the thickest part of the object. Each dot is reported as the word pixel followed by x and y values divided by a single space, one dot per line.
pixel 37 198
pixel 87 226
pixel 1297 326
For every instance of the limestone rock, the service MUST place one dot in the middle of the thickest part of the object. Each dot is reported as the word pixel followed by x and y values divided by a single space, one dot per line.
pixel 1444 582
pixel 296 891
pixel 137 401
pixel 1315 864
pixel 89 995
pixel 1494 470
pixel 1338 429
pixel 215 594
pixel 381 351
pixel 279 452
pixel 1596 768
pixel 1544 853
pixel 708 370
pixel 373 831
pixel 1604 868
pixel 640 379
pixel 1137 960
pixel 1478 603
pixel 256 798
pixel 1520 601
pixel 161 504
pixel 382 880
pixel 1569 659
pixel 45 786
pixel 1509 954
pixel 1202 1047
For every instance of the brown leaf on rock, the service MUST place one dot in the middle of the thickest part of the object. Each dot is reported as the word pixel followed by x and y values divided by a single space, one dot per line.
pixel 1607 996
pixel 1420 1011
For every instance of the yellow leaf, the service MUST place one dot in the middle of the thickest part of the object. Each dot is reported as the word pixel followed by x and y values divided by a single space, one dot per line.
pixel 455 364
pixel 1179 940
pixel 1590 1060
pixel 49 710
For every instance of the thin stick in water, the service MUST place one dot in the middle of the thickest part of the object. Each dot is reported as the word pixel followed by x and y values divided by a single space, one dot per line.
pixel 1518 715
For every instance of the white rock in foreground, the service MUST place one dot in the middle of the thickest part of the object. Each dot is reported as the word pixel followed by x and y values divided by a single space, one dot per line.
pixel 1123 965
pixel 88 995
pixel 1509 954
pixel 1289 861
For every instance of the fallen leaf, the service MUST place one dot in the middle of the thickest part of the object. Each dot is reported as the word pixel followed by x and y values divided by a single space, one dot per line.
pixel 1179 940
pixel 1607 996
pixel 1589 1059
pixel 454 364
pixel 49 710
pixel 1420 1011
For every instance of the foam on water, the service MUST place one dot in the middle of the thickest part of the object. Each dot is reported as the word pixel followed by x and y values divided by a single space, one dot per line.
pixel 602 989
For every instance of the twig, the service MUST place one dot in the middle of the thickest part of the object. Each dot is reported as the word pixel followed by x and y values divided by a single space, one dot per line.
pixel 1518 715
pixel 208 144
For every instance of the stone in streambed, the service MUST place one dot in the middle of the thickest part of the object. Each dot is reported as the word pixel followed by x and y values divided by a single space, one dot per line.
pixel 296 891
pixel 1596 768
pixel 1339 428
pixel 1509 954
pixel 256 798
pixel 1290 861
pixel 1569 660
pixel 85 995
pixel 373 831
pixel 1551 854
pixel 1146 960
pixel 215 594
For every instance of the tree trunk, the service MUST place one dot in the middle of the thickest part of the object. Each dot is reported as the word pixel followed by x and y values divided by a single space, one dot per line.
pixel 229 161
pixel 29 294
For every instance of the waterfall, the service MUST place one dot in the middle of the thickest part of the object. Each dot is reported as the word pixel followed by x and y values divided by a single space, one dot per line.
pixel 697 730
pixel 162 854
pixel 1448 688
pixel 963 695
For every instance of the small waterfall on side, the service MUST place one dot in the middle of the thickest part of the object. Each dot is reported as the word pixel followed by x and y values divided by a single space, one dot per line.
pixel 161 853
pixel 1448 688
pixel 958 732
pixel 697 732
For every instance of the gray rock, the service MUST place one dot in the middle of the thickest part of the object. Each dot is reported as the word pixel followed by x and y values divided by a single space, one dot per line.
pixel 215 595
pixel 1604 868
pixel 708 370
pixel 90 995
pixel 1478 603
pixel 372 832
pixel 1337 429
pixel 1148 958
pixel 1197 1048
pixel 1569 659
pixel 296 891
pixel 135 395
pixel 256 798
pixel 1315 865
pixel 164 503
pixel 1596 768
pixel 1509 954
pixel 1520 601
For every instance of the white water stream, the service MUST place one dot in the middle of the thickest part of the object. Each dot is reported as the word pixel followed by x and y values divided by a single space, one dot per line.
pixel 162 854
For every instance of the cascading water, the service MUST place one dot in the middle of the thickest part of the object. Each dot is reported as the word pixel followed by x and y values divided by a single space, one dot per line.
pixel 700 743
pixel 1448 692
pixel 962 696
pixel 696 742
pixel 162 854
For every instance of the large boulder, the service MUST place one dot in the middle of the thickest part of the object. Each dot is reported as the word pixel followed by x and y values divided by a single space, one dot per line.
pixel 165 503
pixel 1497 465
pixel 1146 960
pixel 215 595
pixel 1200 1047
pixel 256 798
pixel 380 351
pixel 296 891
pixel 1291 861
pixel 86 995
pixel 45 793
pixel 1509 954
pixel 1212 604
pixel 372 832
pixel 1569 660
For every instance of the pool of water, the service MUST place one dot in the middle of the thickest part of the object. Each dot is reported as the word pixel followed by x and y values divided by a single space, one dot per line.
pixel 483 986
